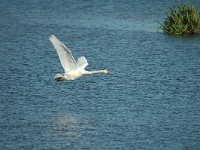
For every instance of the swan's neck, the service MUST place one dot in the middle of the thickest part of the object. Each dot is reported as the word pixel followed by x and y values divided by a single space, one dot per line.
pixel 97 72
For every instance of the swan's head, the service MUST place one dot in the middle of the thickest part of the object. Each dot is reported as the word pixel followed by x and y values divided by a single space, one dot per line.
pixel 107 71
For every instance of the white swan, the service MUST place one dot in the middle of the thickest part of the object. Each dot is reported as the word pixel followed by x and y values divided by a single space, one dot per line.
pixel 73 69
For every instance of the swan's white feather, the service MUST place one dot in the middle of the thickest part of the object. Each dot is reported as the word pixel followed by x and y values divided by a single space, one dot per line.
pixel 82 62
pixel 67 60
pixel 72 69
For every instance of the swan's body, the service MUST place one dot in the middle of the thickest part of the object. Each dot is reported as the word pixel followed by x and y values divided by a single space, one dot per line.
pixel 73 69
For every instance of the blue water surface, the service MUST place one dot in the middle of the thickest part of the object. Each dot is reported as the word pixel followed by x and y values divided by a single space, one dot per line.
pixel 151 101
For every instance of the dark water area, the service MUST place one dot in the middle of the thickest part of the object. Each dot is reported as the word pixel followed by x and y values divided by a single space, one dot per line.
pixel 150 101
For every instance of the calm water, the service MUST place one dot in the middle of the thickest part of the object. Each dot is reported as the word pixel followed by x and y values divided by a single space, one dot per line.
pixel 151 101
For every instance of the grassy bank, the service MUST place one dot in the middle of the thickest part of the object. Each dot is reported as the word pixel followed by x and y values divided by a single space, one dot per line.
pixel 183 19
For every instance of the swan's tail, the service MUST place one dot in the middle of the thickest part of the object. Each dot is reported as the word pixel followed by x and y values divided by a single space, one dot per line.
pixel 59 77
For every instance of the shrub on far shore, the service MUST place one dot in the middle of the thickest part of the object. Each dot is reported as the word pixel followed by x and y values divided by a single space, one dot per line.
pixel 182 20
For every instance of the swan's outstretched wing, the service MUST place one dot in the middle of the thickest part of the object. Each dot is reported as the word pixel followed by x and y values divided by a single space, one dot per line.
pixel 82 62
pixel 67 60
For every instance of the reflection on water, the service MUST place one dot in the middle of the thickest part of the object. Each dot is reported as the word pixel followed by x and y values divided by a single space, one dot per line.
pixel 69 126
pixel 72 128
pixel 150 101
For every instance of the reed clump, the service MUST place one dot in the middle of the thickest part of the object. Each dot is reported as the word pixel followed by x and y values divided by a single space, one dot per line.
pixel 182 20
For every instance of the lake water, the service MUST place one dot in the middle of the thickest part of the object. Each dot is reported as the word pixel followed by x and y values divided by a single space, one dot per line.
pixel 151 101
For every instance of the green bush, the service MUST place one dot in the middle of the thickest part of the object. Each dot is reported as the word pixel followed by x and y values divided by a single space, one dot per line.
pixel 182 20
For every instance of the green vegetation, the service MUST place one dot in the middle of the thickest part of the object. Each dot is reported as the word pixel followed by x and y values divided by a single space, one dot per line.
pixel 182 20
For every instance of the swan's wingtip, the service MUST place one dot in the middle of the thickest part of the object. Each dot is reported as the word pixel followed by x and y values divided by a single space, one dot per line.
pixel 52 36
pixel 54 39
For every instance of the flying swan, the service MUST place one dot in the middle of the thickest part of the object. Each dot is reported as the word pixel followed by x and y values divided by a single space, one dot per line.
pixel 73 69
